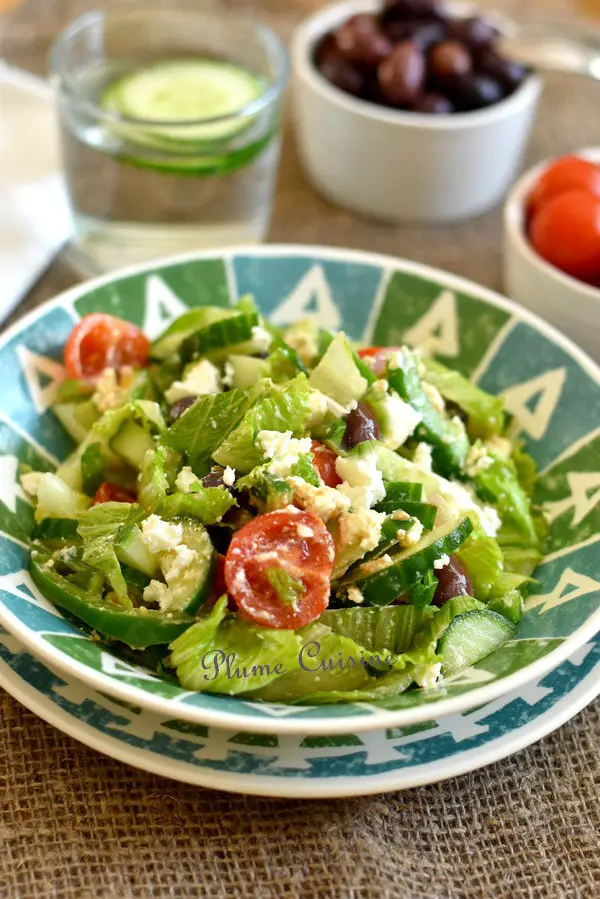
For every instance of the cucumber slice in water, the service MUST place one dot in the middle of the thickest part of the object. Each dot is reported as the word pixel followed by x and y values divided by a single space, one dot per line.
pixel 471 637
pixel 195 91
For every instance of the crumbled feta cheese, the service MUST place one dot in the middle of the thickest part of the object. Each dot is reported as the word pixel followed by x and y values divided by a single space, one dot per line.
pixel 358 532
pixel 455 500
pixel 411 536
pixel 478 459
pixel 320 405
pixel 441 562
pixel 282 449
pixel 429 676
pixel 323 502
pixel 422 457
pixel 499 445
pixel 200 380
pixel 354 595
pixel 110 393
pixel 400 420
pixel 304 531
pixel 380 386
pixel 362 480
pixel 157 592
pixel 261 339
pixel 159 535
pixel 229 476
pixel 30 482
pixel 434 396
pixel 396 359
pixel 186 480
pixel 375 565
pixel 229 374
pixel 175 562
pixel 302 337
pixel 400 515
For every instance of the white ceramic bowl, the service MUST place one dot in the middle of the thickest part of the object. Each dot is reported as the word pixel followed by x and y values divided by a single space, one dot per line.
pixel 568 304
pixel 403 166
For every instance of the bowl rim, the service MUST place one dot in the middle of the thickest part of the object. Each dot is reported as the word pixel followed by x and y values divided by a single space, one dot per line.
pixel 352 723
pixel 316 25
pixel 514 226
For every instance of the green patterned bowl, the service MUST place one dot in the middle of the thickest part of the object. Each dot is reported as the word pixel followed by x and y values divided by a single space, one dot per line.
pixel 547 382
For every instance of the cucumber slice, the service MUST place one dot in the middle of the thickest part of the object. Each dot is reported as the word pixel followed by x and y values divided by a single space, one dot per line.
pixel 193 587
pixel 409 567
pixel 134 578
pixel 389 537
pixel 132 442
pixel 184 91
pixel 184 326
pixel 65 412
pixel 423 511
pixel 471 637
pixel 226 332
pixel 132 550
pixel 400 491
pixel 247 370
pixel 86 414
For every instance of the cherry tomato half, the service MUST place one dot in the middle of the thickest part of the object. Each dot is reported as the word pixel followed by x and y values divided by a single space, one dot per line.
pixel 378 357
pixel 101 341
pixel 324 460
pixel 566 233
pixel 567 173
pixel 293 543
pixel 112 493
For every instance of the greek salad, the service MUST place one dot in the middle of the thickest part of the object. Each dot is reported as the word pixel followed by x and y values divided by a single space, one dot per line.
pixel 279 513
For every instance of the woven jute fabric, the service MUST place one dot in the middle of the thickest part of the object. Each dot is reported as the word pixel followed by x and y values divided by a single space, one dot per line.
pixel 76 824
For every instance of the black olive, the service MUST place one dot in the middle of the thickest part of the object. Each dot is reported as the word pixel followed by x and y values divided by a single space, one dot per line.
pixel 181 406
pixel 360 426
pixel 453 580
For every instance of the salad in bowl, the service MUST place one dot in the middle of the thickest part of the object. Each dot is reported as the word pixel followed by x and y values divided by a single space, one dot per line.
pixel 281 514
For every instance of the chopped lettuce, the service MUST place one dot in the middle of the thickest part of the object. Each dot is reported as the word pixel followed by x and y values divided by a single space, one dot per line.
pixel 98 528
pixel 200 430
pixel 375 628
pixel 337 375
pixel 498 483
pixel 447 436
pixel 483 559
pixel 221 653
pixel 283 409
pixel 485 412
pixel 93 468
pixel 207 504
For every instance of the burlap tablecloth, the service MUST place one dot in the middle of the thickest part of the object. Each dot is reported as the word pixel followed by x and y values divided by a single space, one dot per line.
pixel 76 824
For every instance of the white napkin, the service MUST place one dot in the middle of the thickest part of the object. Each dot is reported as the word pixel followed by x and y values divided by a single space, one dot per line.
pixel 34 214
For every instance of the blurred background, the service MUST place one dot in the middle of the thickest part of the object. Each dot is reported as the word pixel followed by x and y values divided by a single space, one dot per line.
pixel 567 120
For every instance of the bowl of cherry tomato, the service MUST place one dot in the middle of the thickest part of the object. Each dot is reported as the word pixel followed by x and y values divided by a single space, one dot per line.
pixel 406 111
pixel 552 244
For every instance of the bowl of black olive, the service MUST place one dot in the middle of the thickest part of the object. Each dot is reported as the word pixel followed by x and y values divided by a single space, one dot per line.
pixel 407 111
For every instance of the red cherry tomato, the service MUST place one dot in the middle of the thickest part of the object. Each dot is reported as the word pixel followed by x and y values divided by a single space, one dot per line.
pixel 324 460
pixel 100 341
pixel 219 586
pixel 112 493
pixel 567 173
pixel 294 542
pixel 566 233
pixel 378 357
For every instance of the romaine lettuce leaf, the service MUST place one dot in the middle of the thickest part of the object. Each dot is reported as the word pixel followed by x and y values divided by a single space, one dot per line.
pixel 483 560
pixel 158 471
pixel 203 427
pixel 498 483
pixel 283 409
pixel 207 504
pixel 485 412
pixel 378 628
pixel 98 528
pixel 224 654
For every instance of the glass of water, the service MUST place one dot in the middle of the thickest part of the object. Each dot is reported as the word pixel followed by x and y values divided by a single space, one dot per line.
pixel 171 129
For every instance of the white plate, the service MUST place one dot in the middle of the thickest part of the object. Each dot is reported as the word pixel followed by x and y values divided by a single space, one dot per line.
pixel 293 765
